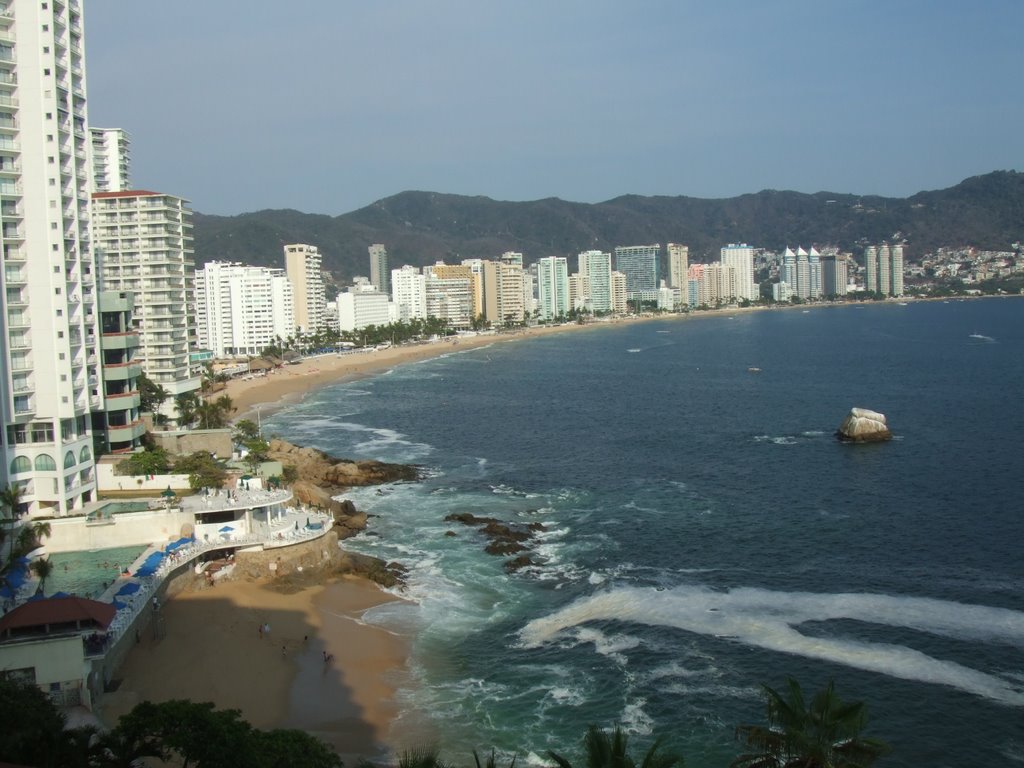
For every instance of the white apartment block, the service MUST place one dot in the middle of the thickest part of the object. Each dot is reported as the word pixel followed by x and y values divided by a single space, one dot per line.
pixel 362 306
pixel 50 377
pixel 449 294
pixel 476 268
pixel 144 244
pixel 678 265
pixel 241 310
pixel 380 275
pixel 303 263
pixel 801 271
pixel 619 292
pixel 552 287
pixel 741 258
pixel 409 293
pixel 110 159
pixel 595 271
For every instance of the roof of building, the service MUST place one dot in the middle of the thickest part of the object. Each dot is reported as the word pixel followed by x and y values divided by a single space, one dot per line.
pixel 90 614
pixel 125 193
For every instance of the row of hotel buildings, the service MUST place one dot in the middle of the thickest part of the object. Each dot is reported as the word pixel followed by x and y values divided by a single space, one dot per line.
pixel 99 284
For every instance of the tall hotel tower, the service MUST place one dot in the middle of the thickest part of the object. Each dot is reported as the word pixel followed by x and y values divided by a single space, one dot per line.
pixel 302 265
pixel 380 275
pixel 50 382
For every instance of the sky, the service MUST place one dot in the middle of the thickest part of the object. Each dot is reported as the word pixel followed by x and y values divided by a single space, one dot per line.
pixel 327 106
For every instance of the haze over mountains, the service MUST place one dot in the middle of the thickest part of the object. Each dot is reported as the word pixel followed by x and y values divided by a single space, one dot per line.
pixel 420 228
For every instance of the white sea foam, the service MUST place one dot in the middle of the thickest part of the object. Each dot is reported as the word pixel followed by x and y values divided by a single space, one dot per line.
pixel 769 620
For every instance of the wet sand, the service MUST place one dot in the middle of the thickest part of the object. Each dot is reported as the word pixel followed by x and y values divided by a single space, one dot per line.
pixel 212 650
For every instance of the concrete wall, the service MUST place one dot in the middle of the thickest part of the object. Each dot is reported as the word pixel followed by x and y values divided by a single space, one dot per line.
pixel 182 443
pixel 55 660
pixel 106 480
pixel 284 560
pixel 121 530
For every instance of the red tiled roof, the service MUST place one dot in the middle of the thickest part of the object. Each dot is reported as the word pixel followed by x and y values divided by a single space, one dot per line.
pixel 59 610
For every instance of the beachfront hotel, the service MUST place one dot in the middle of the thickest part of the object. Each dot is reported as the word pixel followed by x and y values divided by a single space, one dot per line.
pixel 639 263
pixel 741 258
pixel 553 287
pixel 51 382
pixel 380 275
pixel 241 310
pixel 302 264
pixel 678 264
pixel 144 246
pixel 884 267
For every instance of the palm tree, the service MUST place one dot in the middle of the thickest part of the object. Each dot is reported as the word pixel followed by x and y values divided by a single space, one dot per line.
pixel 826 734
pixel 422 758
pixel 42 568
pixel 604 751
pixel 10 500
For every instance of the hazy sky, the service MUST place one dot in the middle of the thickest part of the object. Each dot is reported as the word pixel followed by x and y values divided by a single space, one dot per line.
pixel 329 105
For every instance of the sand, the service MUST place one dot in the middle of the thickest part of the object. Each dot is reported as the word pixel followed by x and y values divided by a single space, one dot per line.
pixel 211 650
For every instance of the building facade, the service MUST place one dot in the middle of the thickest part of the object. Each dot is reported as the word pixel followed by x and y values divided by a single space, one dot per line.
pixel 595 281
pixel 303 265
pixel 741 258
pixel 241 310
pixel 110 159
pixel 552 287
pixel 639 263
pixel 883 265
pixel 362 306
pixel 409 293
pixel 678 265
pixel 144 244
pixel 380 275
pixel 51 382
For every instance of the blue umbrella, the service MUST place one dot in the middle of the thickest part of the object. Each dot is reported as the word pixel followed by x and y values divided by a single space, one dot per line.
pixel 118 605
pixel 128 589
pixel 225 529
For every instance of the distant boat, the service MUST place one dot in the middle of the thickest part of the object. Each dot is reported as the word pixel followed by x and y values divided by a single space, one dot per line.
pixel 754 369
pixel 634 349
pixel 981 337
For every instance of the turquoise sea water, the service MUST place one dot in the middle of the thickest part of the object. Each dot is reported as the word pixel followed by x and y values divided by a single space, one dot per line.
pixel 704 531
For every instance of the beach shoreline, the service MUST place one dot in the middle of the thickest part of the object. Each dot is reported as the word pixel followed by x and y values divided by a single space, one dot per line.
pixel 304 660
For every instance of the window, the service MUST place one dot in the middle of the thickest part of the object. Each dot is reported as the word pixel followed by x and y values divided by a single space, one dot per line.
pixel 45 463
pixel 20 464
pixel 17 434
pixel 69 460
pixel 84 456
pixel 67 426
pixel 42 432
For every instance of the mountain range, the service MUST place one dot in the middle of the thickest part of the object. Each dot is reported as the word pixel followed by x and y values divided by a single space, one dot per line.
pixel 420 228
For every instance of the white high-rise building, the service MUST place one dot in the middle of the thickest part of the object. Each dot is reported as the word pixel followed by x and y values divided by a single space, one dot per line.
pixel 302 263
pixel 362 306
pixel 144 244
pixel 380 275
pixel 595 271
pixel 51 379
pixel 241 309
pixel 552 287
pixel 409 293
pixel 110 159
pixel 896 264
pixel 678 265
pixel 449 294
pixel 741 258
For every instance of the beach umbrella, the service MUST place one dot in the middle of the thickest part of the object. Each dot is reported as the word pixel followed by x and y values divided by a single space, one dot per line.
pixel 118 605
pixel 129 589
pixel 225 529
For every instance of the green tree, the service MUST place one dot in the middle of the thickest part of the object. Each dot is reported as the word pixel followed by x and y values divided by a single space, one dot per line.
pixel 289 474
pixel 151 394
pixel 202 469
pixel 215 414
pixel 290 748
pixel 246 429
pixel 824 734
pixel 187 405
pixel 152 461
pixel 35 732
pixel 42 568
pixel 610 751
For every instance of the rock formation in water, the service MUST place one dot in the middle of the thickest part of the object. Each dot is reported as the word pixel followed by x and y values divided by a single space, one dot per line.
pixel 502 538
pixel 863 426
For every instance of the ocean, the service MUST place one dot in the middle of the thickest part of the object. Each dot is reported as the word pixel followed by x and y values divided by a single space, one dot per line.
pixel 704 533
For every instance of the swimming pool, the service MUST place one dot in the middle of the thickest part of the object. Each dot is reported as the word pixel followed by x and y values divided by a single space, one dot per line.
pixel 88 574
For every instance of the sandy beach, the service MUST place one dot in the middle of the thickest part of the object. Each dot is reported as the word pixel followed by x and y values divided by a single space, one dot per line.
pixel 212 650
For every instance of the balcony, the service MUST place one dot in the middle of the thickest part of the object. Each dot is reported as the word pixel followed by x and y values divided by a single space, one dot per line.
pixel 127 433
pixel 124 401
pixel 122 371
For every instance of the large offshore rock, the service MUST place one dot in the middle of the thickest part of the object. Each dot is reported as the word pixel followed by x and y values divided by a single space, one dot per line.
pixel 864 426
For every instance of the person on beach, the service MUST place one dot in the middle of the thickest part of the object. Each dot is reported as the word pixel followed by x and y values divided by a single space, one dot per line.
pixel 259 631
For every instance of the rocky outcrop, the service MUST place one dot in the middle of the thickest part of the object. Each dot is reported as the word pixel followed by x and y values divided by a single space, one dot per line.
pixel 864 426
pixel 502 538
pixel 335 475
